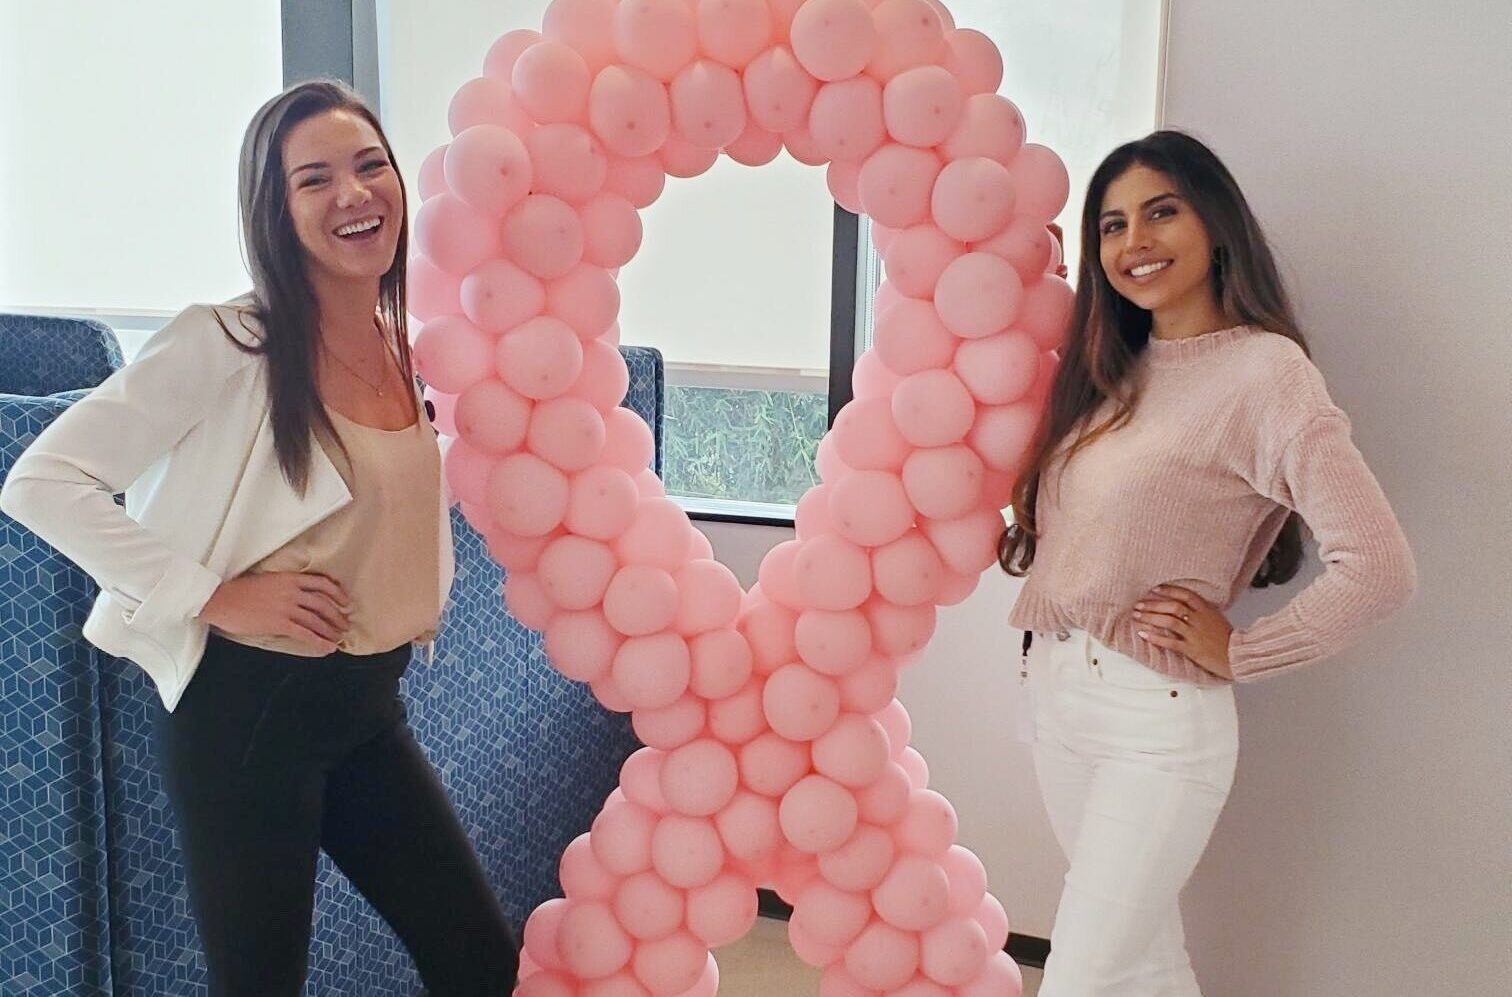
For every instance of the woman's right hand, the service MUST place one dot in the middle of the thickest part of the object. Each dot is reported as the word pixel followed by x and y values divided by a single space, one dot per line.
pixel 310 608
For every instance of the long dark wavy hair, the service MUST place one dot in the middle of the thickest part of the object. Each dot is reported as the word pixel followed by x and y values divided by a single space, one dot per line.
pixel 1108 332
pixel 284 301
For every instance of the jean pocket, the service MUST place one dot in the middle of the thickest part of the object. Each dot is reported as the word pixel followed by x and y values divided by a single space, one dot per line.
pixel 1123 672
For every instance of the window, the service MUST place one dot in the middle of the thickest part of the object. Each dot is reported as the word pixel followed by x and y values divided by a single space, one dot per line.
pixel 120 126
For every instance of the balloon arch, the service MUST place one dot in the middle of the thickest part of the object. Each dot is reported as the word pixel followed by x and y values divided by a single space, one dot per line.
pixel 775 749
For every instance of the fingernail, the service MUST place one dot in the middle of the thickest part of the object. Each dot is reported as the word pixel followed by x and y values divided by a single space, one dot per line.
pixel 1143 635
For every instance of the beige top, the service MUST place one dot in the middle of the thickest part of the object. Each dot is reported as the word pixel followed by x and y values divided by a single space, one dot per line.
pixel 382 547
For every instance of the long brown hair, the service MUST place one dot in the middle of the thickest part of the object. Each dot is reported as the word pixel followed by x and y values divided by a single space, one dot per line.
pixel 1108 332
pixel 283 299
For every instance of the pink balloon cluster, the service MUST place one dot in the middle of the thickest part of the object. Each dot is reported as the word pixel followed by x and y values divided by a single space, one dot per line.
pixel 775 749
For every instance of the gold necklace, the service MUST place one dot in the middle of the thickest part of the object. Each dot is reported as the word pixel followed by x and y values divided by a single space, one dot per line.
pixel 377 388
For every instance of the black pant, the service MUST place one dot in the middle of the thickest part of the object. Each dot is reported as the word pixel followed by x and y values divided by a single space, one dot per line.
pixel 271 757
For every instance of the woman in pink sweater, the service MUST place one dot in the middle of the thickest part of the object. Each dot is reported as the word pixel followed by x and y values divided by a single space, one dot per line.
pixel 1187 433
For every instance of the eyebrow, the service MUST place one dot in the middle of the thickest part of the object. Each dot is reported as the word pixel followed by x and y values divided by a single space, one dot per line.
pixel 1154 200
pixel 326 166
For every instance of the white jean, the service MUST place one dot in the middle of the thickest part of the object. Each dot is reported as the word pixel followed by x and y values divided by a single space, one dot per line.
pixel 1135 767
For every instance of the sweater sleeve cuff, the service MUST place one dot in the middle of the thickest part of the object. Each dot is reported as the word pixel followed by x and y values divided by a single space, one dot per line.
pixel 178 596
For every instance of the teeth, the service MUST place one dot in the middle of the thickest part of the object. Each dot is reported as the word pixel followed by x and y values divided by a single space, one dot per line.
pixel 1149 268
pixel 367 224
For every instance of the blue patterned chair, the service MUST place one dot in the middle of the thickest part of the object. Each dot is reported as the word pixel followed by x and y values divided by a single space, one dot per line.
pixel 43 356
pixel 526 756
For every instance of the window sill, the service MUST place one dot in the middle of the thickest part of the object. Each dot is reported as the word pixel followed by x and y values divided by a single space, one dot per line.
pixel 712 510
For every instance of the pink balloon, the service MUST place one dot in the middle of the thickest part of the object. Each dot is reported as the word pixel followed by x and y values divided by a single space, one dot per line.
pixel 452 354
pixel 445 409
pixel 974 60
pixel 990 127
pixel 832 573
pixel 831 916
pixel 1000 979
pixel 828 463
pixel 682 159
pixel 432 291
pixel 909 34
pixel 968 880
pixel 541 358
pixel 611 230
pixel 621 984
pixel 647 908
pixel 869 509
pixel 639 180
pixel 658 37
pixel 921 987
pixel 670 726
pixel 900 630
pixel 811 517
pixel 609 695
pixel 526 495
pixel 575 571
pixel 883 957
pixel 909 338
pixel 896 183
pixel 973 199
pixel 748 825
pixel 1003 433
pixel 467 472
pixel 497 296
pixel 779 91
pixel 978 295
pixel 818 814
pixel 551 81
pixel 586 25
pixel 567 432
pixel 583 875
pixel 809 949
pixel 454 235
pixel 799 703
pixel 846 119
pixel 629 110
pixel 587 299
pixel 836 982
pixel 669 966
pixel 1026 244
pixel 768 628
pixel 543 984
pixel 591 940
pixel 834 39
pixel 708 104
pixel 866 436
pixel 739 718
pixel 918 255
pixel 842 179
pixel 542 930
pixel 755 147
pixel 932 408
pixel 702 550
pixel 544 236
pixel 778 576
pixel 581 645
pixel 488 167
pixel 882 238
pixel 916 768
pixel 868 689
pixel 734 31
pixel 922 106
pixel 967 545
pixel 640 600
pixel 944 482
pixel 1043 183
pixel 914 895
pixel 708 982
pixel 652 671
pixel 659 536
pixel 700 778
pixel 930 826
pixel 631 447
pixel 708 597
pixel 604 380
pixel 801 146
pixel 721 662
pixel 485 101
pixel 999 369
pixel 853 753
pixel 686 851
pixel 502 55
pixel 570 163
pixel 1045 312
pixel 601 502
pixel 957 588
pixel 833 643
pixel 994 921
pixel 860 863
pixel 723 911
pixel 908 571
pixel 432 179
pixel 771 764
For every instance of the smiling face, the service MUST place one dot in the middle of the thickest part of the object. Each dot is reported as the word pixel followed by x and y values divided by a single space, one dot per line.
pixel 1153 247
pixel 344 197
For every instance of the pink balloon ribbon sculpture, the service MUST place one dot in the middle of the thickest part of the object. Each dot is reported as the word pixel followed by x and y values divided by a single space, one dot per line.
pixel 775 751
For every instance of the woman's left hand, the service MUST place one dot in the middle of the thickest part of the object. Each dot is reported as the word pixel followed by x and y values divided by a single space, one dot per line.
pixel 1181 620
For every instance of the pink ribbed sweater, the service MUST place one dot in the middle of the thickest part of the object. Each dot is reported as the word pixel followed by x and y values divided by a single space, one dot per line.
pixel 1232 430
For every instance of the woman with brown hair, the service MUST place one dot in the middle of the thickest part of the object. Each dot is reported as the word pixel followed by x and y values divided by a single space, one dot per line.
pixel 1187 434
pixel 284 546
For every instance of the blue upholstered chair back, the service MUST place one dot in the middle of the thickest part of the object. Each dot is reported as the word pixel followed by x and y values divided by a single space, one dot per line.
pixel 43 356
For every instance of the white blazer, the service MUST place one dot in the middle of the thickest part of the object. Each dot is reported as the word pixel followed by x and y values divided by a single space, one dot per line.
pixel 186 431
